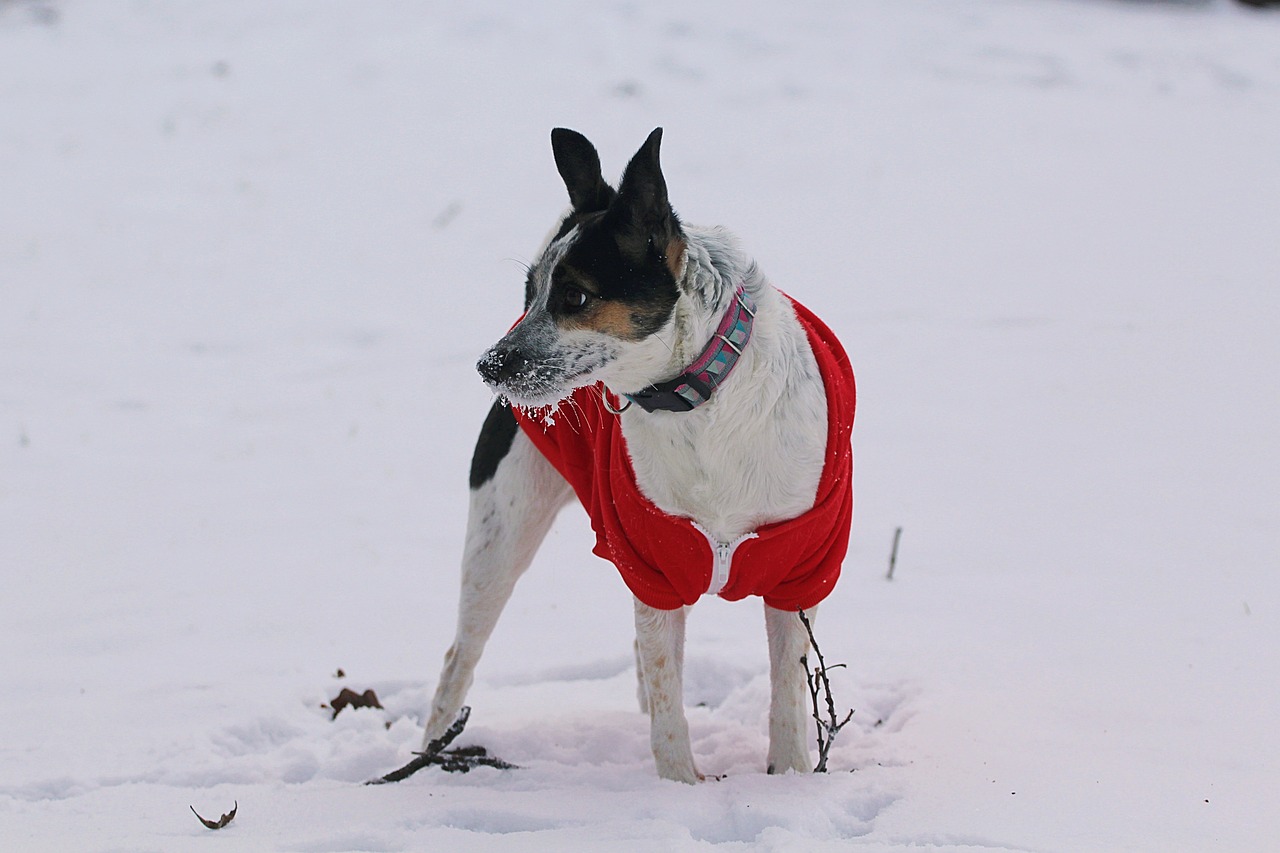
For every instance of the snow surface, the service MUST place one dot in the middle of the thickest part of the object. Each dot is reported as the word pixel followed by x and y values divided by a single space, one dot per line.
pixel 250 251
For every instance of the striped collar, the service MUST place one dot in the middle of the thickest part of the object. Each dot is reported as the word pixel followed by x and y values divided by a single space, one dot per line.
pixel 693 387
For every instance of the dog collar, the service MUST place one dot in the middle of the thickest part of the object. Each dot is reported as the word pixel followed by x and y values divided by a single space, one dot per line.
pixel 692 388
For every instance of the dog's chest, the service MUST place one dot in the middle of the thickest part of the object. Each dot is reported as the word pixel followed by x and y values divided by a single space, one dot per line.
pixel 740 462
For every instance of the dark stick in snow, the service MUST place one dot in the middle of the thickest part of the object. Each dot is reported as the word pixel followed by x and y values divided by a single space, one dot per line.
pixel 828 728
pixel 461 760
pixel 893 555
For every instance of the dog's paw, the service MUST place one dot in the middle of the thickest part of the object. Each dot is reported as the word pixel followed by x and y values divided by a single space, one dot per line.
pixel 797 761
pixel 688 777
pixel 678 771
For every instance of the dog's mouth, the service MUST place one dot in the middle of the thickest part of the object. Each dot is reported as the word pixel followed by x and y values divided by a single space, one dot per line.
pixel 540 385
pixel 536 395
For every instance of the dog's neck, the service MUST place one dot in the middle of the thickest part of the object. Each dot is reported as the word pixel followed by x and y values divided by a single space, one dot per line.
pixel 695 385
pixel 754 452
pixel 720 286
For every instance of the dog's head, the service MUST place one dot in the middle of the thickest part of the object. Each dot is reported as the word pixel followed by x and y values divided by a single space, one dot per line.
pixel 603 289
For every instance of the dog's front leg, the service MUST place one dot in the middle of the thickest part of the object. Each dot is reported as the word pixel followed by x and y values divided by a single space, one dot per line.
pixel 788 722
pixel 660 653
pixel 511 509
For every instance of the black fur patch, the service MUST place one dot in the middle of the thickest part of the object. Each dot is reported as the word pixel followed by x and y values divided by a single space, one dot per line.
pixel 596 263
pixel 619 253
pixel 494 443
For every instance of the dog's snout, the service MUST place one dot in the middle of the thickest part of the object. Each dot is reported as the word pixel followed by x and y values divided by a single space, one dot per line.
pixel 501 364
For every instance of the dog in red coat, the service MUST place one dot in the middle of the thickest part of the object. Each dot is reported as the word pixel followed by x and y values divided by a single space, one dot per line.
pixel 701 417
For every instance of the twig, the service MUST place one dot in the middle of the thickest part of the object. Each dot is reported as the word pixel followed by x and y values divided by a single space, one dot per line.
pixel 461 760
pixel 466 758
pixel 815 678
pixel 893 555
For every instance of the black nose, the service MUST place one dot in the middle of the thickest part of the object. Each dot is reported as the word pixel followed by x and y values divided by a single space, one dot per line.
pixel 501 363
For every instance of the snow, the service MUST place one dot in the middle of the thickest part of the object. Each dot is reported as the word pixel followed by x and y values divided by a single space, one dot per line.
pixel 250 252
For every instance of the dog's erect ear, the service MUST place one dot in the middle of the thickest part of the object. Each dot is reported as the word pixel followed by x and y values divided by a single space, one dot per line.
pixel 644 210
pixel 579 165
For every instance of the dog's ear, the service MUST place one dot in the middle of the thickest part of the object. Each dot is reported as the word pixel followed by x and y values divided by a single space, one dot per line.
pixel 644 211
pixel 579 166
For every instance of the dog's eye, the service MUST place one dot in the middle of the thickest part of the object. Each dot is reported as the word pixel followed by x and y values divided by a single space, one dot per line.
pixel 574 299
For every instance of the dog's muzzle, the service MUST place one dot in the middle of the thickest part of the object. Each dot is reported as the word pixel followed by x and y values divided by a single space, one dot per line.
pixel 501 364
pixel 523 380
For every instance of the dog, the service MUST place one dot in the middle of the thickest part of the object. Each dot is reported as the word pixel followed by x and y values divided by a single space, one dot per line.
pixel 702 418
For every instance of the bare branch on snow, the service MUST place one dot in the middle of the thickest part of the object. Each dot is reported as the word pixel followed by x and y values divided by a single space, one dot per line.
pixel 817 680
pixel 461 760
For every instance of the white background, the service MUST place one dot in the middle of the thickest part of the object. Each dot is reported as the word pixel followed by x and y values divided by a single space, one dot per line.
pixel 249 253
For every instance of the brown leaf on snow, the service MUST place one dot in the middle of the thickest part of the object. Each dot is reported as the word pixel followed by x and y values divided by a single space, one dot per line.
pixel 350 698
pixel 220 822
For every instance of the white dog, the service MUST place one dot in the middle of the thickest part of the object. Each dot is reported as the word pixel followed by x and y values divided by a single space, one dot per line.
pixel 702 418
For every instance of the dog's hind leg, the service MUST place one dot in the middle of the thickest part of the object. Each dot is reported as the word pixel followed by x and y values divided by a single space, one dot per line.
pixel 515 495
pixel 660 653
pixel 788 722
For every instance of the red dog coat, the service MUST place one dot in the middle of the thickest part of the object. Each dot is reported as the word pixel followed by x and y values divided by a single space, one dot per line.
pixel 666 560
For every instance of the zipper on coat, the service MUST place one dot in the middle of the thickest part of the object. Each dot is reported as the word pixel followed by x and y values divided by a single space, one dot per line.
pixel 721 558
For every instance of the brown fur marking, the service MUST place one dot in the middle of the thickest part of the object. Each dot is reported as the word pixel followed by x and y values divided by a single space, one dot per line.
pixel 611 318
pixel 675 258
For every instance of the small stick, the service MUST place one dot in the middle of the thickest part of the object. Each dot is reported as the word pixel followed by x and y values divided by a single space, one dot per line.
pixel 893 555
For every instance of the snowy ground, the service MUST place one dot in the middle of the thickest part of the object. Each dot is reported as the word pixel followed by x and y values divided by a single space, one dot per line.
pixel 250 251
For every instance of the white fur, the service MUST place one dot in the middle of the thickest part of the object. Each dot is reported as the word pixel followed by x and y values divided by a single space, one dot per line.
pixel 754 454
pixel 751 455
pixel 506 522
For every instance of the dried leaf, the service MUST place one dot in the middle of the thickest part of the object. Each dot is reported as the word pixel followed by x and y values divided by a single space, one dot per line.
pixel 348 698
pixel 220 822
